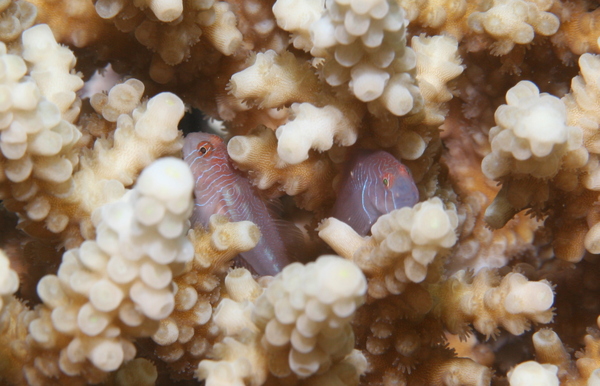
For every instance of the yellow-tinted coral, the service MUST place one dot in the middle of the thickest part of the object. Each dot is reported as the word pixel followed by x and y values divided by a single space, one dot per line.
pixel 17 16
pixel 272 80
pixel 437 64
pixel 513 22
pixel 175 31
pixel 488 302
pixel 73 22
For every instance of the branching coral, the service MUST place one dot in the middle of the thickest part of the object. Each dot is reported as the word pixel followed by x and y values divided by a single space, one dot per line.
pixel 67 208
pixel 553 361
pixel 171 41
pixel 437 64
pixel 514 21
pixel 488 302
pixel 187 334
pixel 479 246
pixel 272 80
pixel 314 127
pixel 301 319
pixel 118 286
pixel 532 139
pixel 364 46
pixel 287 12
pixel 447 15
pixel 404 243
pixel 577 33
pixel 532 128
pixel 300 88
pixel 308 180
pixel 240 356
pixel 305 315
pixel 38 141
pixel 560 158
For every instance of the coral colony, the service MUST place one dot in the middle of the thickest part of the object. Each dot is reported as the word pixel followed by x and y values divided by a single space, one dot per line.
pixel 467 257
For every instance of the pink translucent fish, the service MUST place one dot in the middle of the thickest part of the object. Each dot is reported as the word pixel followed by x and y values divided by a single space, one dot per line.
pixel 221 189
pixel 374 183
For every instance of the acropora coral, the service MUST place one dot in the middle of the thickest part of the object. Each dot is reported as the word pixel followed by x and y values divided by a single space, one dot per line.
pixel 489 113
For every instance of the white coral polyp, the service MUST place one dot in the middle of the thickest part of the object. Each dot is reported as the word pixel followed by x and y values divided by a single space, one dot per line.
pixel 531 373
pixel 165 181
pixel 337 278
pixel 107 355
pixel 528 297
pixel 297 18
pixel 432 224
pixel 532 136
pixel 9 280
pixel 539 119
pixel 368 82
pixel 161 117
pixel 273 80
pixel 166 10
pixel 543 126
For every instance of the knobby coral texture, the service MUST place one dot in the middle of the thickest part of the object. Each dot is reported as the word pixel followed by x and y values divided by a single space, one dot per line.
pixel 472 260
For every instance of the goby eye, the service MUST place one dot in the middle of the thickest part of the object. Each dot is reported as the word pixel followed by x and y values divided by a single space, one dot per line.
pixel 204 147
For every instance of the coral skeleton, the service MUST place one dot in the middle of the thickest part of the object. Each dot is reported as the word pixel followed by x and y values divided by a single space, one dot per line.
pixel 491 109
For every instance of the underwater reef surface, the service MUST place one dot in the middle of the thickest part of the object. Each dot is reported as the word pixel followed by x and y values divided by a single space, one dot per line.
pixel 468 257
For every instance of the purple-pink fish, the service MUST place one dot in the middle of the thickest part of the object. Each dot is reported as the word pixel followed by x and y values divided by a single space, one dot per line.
pixel 221 189
pixel 374 183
